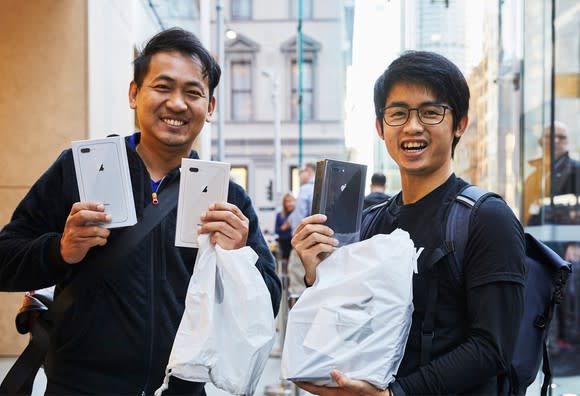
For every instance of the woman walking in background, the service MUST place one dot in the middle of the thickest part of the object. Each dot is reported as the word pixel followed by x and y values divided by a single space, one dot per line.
pixel 283 228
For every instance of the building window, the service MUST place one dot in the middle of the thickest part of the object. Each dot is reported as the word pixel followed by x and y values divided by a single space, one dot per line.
pixel 241 9
pixel 239 175
pixel 241 83
pixel 306 9
pixel 307 90
pixel 294 180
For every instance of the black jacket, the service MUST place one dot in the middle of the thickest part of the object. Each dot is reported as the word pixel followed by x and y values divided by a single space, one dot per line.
pixel 118 335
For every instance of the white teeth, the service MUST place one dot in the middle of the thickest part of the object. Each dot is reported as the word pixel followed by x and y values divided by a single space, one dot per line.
pixel 414 146
pixel 173 122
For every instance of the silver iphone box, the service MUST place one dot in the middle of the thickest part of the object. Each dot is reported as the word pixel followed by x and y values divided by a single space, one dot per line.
pixel 102 173
pixel 201 184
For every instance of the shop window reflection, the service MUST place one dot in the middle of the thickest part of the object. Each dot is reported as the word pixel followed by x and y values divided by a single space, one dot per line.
pixel 552 190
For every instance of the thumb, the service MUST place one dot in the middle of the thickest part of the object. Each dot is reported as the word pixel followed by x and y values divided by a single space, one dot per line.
pixel 339 378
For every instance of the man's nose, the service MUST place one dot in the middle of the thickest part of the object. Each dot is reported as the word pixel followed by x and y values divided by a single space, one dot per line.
pixel 413 123
pixel 176 102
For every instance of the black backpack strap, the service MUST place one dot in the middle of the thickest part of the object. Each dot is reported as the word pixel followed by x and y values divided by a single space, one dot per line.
pixel 428 325
pixel 457 224
pixel 19 379
pixel 546 369
pixel 457 221
pixel 370 217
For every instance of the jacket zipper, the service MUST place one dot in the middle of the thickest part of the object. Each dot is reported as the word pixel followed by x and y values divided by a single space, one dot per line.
pixel 151 295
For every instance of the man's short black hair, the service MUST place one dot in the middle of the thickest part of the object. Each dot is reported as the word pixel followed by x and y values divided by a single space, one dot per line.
pixel 177 39
pixel 378 179
pixel 431 70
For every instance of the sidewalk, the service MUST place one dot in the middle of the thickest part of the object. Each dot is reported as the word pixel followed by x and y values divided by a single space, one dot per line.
pixel 563 386
pixel 270 377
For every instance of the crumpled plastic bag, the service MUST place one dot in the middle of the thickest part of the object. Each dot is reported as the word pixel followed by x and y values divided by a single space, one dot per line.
pixel 227 330
pixel 356 316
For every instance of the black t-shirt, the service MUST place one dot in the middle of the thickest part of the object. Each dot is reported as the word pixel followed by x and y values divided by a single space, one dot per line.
pixel 476 320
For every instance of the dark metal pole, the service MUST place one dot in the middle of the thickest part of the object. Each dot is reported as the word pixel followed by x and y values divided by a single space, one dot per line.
pixel 552 101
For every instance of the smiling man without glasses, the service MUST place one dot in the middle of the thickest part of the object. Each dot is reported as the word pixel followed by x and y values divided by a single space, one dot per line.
pixel 118 335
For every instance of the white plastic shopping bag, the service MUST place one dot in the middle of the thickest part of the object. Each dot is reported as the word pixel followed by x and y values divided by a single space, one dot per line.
pixel 227 329
pixel 357 315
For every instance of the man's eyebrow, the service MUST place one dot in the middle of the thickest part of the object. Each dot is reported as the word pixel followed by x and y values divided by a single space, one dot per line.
pixel 405 104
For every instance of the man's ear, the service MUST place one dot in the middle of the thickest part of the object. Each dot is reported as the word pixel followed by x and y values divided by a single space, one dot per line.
pixel 133 95
pixel 379 128
pixel 210 109
pixel 461 126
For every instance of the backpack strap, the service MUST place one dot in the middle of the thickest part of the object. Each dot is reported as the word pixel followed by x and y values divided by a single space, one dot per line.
pixel 546 369
pixel 370 218
pixel 428 325
pixel 456 230
pixel 457 223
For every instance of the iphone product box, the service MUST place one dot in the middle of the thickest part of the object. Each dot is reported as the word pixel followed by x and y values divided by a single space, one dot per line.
pixel 201 184
pixel 103 176
pixel 339 189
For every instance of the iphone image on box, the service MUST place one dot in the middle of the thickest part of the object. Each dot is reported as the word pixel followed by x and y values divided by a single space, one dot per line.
pixel 202 183
pixel 103 176
pixel 339 193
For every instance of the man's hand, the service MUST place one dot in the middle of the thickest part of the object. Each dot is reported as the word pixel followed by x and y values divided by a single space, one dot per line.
pixel 346 387
pixel 227 225
pixel 78 236
pixel 313 242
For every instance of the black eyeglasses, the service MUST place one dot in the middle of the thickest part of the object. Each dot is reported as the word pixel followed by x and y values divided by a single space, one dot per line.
pixel 429 114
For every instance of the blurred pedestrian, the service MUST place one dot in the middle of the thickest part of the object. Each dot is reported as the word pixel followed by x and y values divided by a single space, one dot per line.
pixel 283 227
pixel 552 180
pixel 377 194
pixel 302 209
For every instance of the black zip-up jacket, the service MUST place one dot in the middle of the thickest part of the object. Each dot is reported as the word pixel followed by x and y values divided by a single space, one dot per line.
pixel 118 336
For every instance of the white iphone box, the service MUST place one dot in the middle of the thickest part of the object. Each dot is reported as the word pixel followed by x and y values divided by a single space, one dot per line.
pixel 102 172
pixel 201 184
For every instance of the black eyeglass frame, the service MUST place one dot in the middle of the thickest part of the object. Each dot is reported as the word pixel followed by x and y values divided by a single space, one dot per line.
pixel 444 106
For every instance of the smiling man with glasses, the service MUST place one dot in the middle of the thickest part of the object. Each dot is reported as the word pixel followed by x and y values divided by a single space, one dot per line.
pixel 421 105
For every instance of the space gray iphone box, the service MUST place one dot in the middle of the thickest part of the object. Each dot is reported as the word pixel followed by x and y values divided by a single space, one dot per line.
pixel 339 189
pixel 102 172
pixel 201 183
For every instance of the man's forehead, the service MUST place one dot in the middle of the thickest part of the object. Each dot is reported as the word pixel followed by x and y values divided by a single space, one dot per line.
pixel 400 92
pixel 164 61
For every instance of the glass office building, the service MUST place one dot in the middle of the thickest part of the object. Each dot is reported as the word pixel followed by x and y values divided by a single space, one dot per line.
pixel 549 155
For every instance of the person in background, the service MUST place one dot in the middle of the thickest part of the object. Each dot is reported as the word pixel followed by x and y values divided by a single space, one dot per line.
pixel 301 210
pixel 566 327
pixel 117 337
pixel 545 181
pixel 283 228
pixel 377 194
pixel 421 107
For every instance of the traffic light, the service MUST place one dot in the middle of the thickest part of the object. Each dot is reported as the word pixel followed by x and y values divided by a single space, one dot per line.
pixel 269 191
